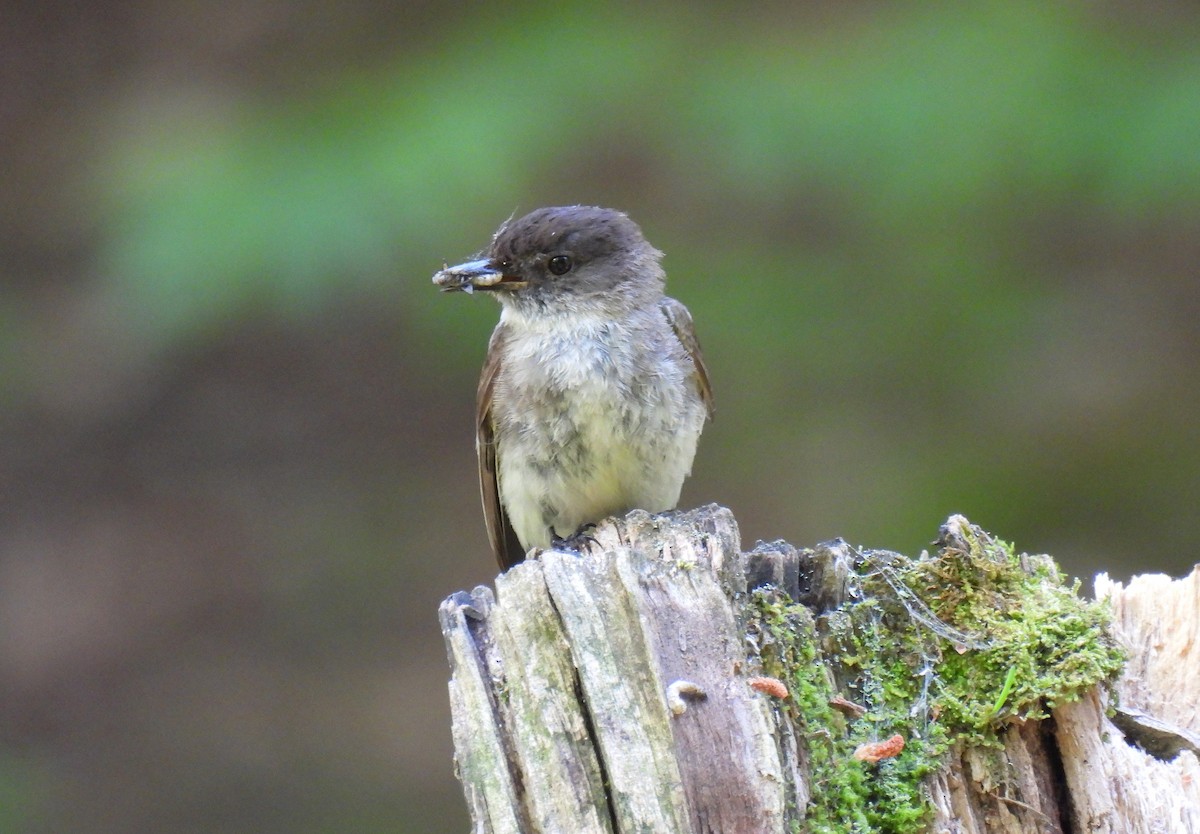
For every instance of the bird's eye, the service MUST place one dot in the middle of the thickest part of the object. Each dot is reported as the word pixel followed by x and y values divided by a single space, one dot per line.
pixel 560 265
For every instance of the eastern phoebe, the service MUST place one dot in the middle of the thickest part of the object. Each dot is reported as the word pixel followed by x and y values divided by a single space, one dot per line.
pixel 594 391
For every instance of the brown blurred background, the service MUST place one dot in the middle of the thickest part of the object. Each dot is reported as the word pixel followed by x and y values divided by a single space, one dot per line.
pixel 943 258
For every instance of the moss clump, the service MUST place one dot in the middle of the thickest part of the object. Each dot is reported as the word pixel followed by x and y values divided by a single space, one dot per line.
pixel 940 649
pixel 846 796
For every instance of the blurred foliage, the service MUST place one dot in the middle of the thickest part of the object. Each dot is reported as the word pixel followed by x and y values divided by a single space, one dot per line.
pixel 926 121
pixel 286 203
pixel 877 197
pixel 942 258
pixel 19 790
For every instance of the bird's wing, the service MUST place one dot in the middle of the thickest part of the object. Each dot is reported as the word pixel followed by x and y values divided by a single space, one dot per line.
pixel 503 538
pixel 681 322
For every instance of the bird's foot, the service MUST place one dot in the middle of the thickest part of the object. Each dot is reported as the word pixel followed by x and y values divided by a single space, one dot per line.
pixel 579 541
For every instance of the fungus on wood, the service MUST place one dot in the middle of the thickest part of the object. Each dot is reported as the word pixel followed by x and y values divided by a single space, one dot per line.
pixel 665 681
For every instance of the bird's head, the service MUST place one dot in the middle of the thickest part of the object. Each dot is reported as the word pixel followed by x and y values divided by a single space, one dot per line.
pixel 564 258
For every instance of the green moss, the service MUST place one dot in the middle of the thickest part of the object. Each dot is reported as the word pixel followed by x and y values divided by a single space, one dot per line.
pixel 941 649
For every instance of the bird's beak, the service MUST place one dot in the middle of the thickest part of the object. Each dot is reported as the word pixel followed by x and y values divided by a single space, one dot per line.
pixel 476 275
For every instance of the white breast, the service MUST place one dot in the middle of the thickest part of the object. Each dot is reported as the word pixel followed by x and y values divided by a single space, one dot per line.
pixel 591 422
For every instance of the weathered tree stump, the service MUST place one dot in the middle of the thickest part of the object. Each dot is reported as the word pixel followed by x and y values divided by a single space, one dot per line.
pixel 665 681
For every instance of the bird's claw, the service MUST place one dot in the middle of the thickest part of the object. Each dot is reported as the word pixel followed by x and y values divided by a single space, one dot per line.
pixel 579 541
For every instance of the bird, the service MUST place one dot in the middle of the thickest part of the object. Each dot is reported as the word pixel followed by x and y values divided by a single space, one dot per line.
pixel 594 390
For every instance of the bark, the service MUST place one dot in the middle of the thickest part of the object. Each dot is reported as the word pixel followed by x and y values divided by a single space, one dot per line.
pixel 614 691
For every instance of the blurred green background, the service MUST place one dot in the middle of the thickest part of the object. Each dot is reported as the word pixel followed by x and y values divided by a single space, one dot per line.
pixel 942 257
